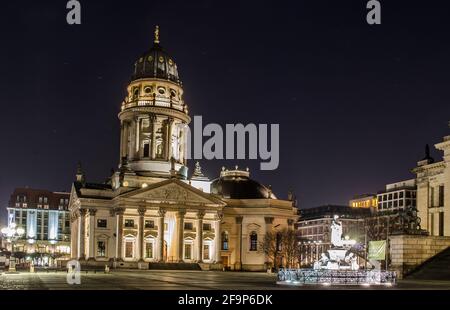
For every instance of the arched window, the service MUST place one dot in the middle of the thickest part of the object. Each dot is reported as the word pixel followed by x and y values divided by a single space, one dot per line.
pixel 225 241
pixel 253 241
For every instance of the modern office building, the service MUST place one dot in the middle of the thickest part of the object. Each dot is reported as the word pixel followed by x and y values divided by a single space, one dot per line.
pixel 45 219
pixel 397 196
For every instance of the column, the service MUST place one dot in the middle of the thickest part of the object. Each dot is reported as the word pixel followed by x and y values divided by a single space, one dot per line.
pixel 137 140
pixel 74 235
pixel 152 120
pixel 81 233
pixel 132 133
pixel 160 239
pixel 217 237
pixel 169 138
pixel 141 211
pixel 269 224
pixel 199 236
pixel 119 232
pixel 238 263
pixel 180 234
pixel 121 139
pixel 91 252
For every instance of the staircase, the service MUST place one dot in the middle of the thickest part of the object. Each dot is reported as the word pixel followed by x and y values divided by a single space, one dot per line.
pixel 436 268
pixel 174 266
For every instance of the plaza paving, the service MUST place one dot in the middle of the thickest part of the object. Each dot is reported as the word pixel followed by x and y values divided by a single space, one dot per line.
pixel 172 280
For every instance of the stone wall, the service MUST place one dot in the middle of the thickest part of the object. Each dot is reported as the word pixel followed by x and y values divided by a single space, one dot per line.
pixel 407 252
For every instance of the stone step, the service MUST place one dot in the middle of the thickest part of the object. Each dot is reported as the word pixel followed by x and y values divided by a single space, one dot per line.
pixel 436 268
pixel 174 266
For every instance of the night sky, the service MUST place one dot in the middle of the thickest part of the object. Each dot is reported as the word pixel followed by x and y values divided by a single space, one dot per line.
pixel 356 103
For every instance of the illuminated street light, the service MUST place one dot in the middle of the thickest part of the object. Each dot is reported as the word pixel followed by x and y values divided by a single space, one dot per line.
pixel 12 234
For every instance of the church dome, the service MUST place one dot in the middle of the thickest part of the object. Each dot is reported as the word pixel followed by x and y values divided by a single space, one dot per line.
pixel 236 184
pixel 156 63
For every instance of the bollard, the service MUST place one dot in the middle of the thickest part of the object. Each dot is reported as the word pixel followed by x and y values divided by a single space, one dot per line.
pixel 106 269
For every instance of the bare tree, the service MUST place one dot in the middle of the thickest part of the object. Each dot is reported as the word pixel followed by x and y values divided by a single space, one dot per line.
pixel 269 247
pixel 290 247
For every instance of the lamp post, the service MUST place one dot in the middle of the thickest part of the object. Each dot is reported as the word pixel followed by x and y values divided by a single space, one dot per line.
pixel 12 234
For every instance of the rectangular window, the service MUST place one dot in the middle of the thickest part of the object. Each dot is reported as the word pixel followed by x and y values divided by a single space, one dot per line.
pixel 395 195
pixel 188 251
pixel 129 249
pixel 149 250
pixel 188 226
pixel 129 223
pixel 149 224
pixel 101 248
pixel 390 196
pixel 206 251
pixel 102 223
pixel 401 194
pixel 441 224
pixel 441 196
pixel 207 227
pixel 146 149
pixel 400 203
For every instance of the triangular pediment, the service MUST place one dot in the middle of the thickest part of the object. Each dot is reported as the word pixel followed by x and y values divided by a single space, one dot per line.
pixel 173 191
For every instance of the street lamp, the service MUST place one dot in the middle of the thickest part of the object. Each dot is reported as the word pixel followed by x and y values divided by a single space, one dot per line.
pixel 12 234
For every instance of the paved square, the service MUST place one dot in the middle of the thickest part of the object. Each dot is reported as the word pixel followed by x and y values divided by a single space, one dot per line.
pixel 174 280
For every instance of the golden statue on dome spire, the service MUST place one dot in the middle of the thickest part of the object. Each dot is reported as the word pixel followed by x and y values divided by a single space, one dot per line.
pixel 156 41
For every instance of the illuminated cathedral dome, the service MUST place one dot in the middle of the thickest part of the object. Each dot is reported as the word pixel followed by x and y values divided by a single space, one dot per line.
pixel 236 184
pixel 156 63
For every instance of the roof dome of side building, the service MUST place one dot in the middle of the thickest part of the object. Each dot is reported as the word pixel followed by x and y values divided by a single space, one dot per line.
pixel 236 184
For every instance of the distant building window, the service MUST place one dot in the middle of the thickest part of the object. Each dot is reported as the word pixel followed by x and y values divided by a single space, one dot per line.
pixel 188 226
pixel 253 241
pixel 129 223
pixel 102 223
pixel 207 227
pixel 40 199
pixel 101 248
pixel 401 194
pixel 149 224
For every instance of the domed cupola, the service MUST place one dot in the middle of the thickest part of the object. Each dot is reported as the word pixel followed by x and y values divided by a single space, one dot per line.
pixel 236 184
pixel 154 117
pixel 156 63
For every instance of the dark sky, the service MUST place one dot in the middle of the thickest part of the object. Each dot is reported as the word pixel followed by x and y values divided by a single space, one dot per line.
pixel 355 103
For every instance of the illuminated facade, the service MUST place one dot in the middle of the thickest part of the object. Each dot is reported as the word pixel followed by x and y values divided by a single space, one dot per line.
pixel 45 218
pixel 364 201
pixel 433 191
pixel 150 211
